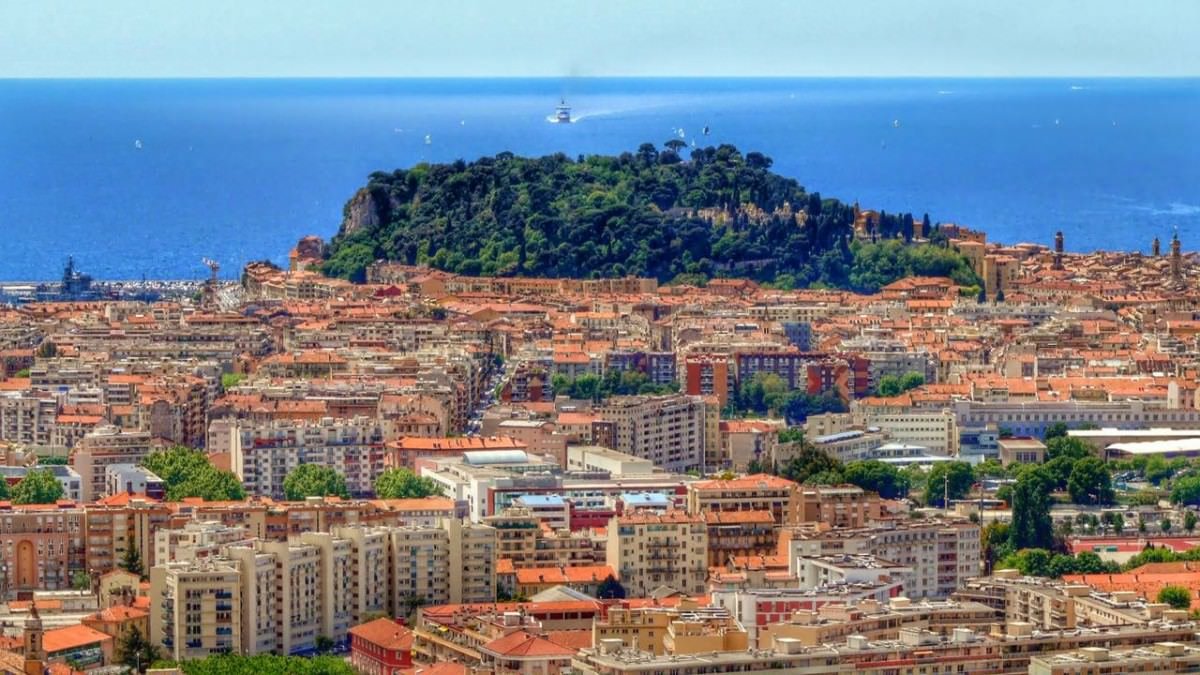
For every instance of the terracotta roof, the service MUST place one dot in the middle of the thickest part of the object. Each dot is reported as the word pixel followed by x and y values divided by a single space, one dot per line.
pixel 563 575
pixel 70 637
pixel 523 645
pixel 384 633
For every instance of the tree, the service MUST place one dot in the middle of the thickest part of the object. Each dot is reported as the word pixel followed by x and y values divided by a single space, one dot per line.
pixel 314 480
pixel 47 350
pixel 911 381
pixel 1165 525
pixel 1055 430
pixel 5 493
pixel 876 476
pixel 404 484
pixel 1032 526
pixel 230 380
pixel 1189 521
pixel 323 644
pixel 1115 521
pixel 1186 491
pixel 809 461
pixel 210 485
pixel 953 479
pixel 1090 483
pixel 81 581
pixel 610 589
pixel 38 487
pixel 135 651
pixel 132 560
pixel 1177 597
pixel 267 664
pixel 994 542
pixel 1067 446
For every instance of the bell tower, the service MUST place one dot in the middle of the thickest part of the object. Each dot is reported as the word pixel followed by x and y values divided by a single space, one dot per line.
pixel 35 653
pixel 1058 250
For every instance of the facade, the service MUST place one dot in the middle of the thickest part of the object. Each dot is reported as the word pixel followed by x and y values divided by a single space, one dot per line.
pixel 195 608
pixel 649 551
pixel 667 430
pixel 105 446
pixel 133 479
pixel 760 492
pixel 381 647
pixel 263 453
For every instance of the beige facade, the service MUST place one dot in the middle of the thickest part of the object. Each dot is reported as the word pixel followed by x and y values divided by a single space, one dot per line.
pixel 195 608
pixel 104 446
pixel 667 430
pixel 649 551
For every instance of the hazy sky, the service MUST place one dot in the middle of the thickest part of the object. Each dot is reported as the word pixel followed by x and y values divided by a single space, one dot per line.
pixel 218 38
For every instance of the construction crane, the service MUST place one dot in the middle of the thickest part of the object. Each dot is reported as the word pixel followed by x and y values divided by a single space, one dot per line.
pixel 214 267
pixel 208 296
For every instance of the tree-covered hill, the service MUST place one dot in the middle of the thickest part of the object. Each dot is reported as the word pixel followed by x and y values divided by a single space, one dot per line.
pixel 649 213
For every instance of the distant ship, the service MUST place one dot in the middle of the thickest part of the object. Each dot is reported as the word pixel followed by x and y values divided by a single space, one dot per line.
pixel 562 113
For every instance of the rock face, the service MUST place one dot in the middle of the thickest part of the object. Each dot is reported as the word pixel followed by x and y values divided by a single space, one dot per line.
pixel 365 210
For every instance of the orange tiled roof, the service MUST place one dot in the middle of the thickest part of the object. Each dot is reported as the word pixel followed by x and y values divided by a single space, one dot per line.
pixel 384 633
pixel 522 644
pixel 70 637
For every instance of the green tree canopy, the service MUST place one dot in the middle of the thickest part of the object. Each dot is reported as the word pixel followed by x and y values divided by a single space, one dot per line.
pixel 877 476
pixel 187 473
pixel 1066 446
pixel 1178 597
pixel 1055 430
pixel 37 487
pixel 313 480
pixel 953 479
pixel 808 462
pixel 1090 482
pixel 1186 491
pixel 610 589
pixel 1031 526
pixel 266 664
pixel 404 484
pixel 135 651
pixel 645 213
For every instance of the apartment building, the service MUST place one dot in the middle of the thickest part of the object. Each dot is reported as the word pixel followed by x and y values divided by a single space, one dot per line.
pixel 41 545
pixel 196 540
pixel 667 430
pixel 840 506
pixel 1032 418
pixel 937 431
pixel 133 479
pixel 685 629
pixel 263 453
pixel 105 446
pixel 942 554
pixel 760 492
pixel 195 607
pixel 649 551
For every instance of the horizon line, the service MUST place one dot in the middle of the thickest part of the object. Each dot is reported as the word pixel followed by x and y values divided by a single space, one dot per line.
pixel 77 78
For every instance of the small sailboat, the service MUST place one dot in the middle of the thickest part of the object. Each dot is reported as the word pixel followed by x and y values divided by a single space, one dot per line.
pixel 428 139
pixel 137 144
pixel 895 124
pixel 706 130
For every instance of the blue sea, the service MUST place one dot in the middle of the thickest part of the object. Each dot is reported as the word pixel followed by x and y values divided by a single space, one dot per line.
pixel 146 178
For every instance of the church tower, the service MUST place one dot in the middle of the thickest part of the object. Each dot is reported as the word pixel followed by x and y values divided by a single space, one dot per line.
pixel 1058 250
pixel 35 653
pixel 1155 249
pixel 1176 258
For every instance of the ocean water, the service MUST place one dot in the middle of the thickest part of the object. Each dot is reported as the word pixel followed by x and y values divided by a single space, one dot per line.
pixel 138 178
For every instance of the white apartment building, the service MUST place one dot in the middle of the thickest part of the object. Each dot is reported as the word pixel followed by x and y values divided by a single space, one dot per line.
pixel 941 554
pixel 936 431
pixel 263 453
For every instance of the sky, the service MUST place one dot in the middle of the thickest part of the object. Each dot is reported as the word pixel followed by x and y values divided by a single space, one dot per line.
pixel 538 38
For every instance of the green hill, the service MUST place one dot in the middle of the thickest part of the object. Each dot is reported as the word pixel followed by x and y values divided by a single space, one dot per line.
pixel 648 213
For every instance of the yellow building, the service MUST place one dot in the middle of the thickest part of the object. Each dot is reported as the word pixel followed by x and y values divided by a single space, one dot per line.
pixel 650 550
pixel 195 608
